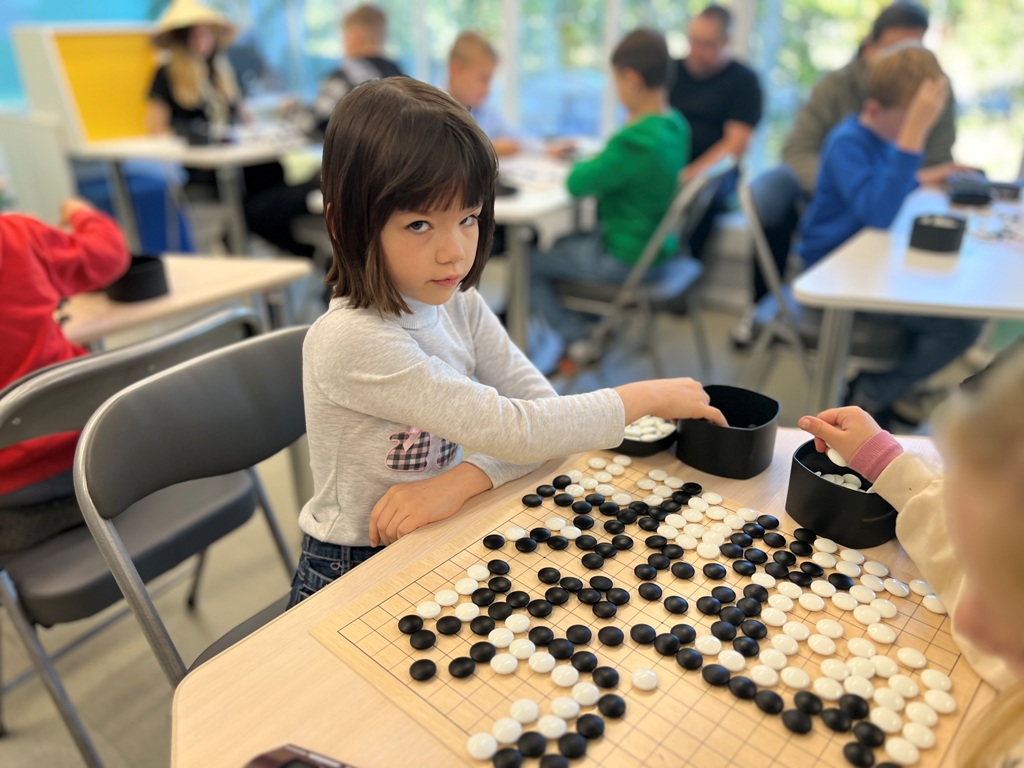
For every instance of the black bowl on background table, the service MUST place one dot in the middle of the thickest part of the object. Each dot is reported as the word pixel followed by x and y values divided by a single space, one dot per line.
pixel 741 450
pixel 852 518
pixel 145 279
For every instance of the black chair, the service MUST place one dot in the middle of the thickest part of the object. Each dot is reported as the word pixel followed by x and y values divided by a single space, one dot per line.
pixel 771 204
pixel 211 417
pixel 65 578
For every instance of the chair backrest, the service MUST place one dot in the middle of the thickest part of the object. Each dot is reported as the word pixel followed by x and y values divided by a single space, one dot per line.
pixel 37 164
pixel 770 204
pixel 62 397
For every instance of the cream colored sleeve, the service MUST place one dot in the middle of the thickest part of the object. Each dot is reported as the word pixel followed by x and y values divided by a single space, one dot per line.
pixel 916 491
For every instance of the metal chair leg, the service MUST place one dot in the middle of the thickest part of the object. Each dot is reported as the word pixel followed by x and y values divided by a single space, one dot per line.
pixel 275 529
pixel 700 336
pixel 44 667
pixel 193 591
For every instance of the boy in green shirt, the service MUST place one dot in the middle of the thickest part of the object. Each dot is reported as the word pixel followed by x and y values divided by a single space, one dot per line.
pixel 633 179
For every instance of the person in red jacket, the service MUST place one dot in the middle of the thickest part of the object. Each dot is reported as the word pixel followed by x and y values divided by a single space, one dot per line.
pixel 39 266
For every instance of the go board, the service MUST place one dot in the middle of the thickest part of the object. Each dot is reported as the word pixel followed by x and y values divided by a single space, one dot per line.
pixel 684 720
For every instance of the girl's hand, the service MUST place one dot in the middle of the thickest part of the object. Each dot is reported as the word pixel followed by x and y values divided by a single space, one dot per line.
pixel 408 506
pixel 682 398
pixel 845 429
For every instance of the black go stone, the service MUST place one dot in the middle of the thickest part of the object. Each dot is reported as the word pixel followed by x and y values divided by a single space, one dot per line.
pixel 777 570
pixel 645 572
pixel 590 726
pixel 686 633
pixel 562 482
pixel 617 596
pixel 640 507
pixel 422 639
pixel 606 677
pixel 769 702
pixel 614 527
pixel 785 557
pixel 656 541
pixel 754 530
pixel 507 757
pixel 558 543
pixel 547 491
pixel 768 522
pixel 571 584
pixel 482 652
pixel 676 604
pixel 556 596
pixel 681 497
pixel 672 551
pixel 693 489
pixel 836 719
pixel 605 610
pixel 659 561
pixel 733 615
pixel 499 585
pixel 690 658
pixel 595 499
pixel 584 661
pixel 671 505
pixel 588 596
pixel 666 644
pixel 609 509
pixel 682 570
pixel 461 667
pixel 586 542
pixel 853 705
pixel 807 702
pixel 742 539
pixel 723 630
pixel 540 608
pixel 581 507
pixel 601 583
pixel 799 578
pixel 869 734
pixel 563 499
pixel 805 535
pixel 801 548
pixel 812 569
pixel 481 625
pixel 526 544
pixel 754 629
pixel 611 705
pixel 730 550
pixel 744 567
pixel 650 591
pixel 857 754
pixel 715 674
pixel 449 625
pixel 499 611
pixel 592 561
pixel 746 646
pixel 532 500
pixel 610 636
pixel 715 571
pixel 659 513
pixel 498 567
pixel 583 522
pixel 796 721
pixel 643 634
pixel 423 669
pixel 757 592
pixel 532 744
pixel 755 555
pixel 774 539
pixel 518 599
pixel 561 648
pixel 409 624
pixel 626 516
pixel 648 524
pixel 572 745
pixel 579 634
pixel 494 541
pixel 540 534
pixel 840 581
pixel 742 687
pixel 541 636
pixel 709 606
pixel 606 550
pixel 549 575
pixel 749 606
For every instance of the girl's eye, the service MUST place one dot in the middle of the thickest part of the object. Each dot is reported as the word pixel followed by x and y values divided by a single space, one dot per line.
pixel 418 226
pixel 471 219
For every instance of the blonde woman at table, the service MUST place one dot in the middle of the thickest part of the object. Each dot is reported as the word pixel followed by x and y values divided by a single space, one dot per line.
pixel 965 532
pixel 40 266
pixel 408 368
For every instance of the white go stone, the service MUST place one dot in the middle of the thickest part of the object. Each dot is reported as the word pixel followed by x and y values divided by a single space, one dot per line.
pixel 830 628
pixel 862 594
pixel 653 500
pixel 763 675
pixel 795 677
pixel 904 686
pixel 576 490
pixel 882 633
pixel 732 660
pixel 876 568
pixel 786 644
pixel 467 611
pixel 749 515
pixel 708 551
pixel 885 607
pixel 859 685
pixel 663 490
pixel 482 746
pixel 781 602
pixel 911 657
pixel 507 730
pixel 763 579
pixel 844 601
pixel 872 582
pixel 565 676
pixel 667 531
pixel 821 645
pixel 848 568
pixel 518 623
pixel 674 482
pixel 827 688
pixel 712 498
pixel 723 528
pixel 822 588
pixel 504 664
pixel 825 545
pixel 467 586
pixel 622 460
pixel 446 597
pixel 797 630
pixel 586 693
pixel 428 609
pixel 934 604
pixel 552 727
pixel 542 662
pixel 658 475
pixel 501 637
pixel 604 477
pixel 645 679
pixel 596 462
pixel 774 617
pixel 933 679
pixel 565 707
pixel 890 699
pixel 921 736
pixel 859 646
pixel 852 556
pixel 896 587
pixel 622 499
pixel 556 523
pixel 940 701
pixel 694 529
pixel 734 521
pixel 836 458
pixel 646 484
pixel 698 504
pixel 571 532
pixel 574 475
pixel 524 710
pixel 714 538
pixel 522 648
pixel 676 521
pixel 716 513
pixel 708 645
pixel 590 483
pixel 885 667
pixel 515 533
pixel 812 602
pixel 920 587
pixel 902 751
pixel 605 490
pixel 886 719
pixel 919 712
pixel 774 658
pixel 861 667
pixel 789 589
pixel 686 541
pixel 865 614
pixel 835 669
pixel 478 572
pixel 615 470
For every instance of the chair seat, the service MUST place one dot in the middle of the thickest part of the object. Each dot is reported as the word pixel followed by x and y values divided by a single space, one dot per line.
pixel 671 280
pixel 242 631
pixel 66 578
pixel 870 337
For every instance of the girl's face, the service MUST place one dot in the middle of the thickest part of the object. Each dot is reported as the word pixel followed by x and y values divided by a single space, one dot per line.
pixel 981 522
pixel 202 41
pixel 428 253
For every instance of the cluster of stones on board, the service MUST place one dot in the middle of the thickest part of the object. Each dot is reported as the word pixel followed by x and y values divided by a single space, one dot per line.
pixel 867 695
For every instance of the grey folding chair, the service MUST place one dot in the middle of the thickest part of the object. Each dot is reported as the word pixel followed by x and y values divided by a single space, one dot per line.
pixel 770 203
pixel 216 415
pixel 673 289
pixel 64 578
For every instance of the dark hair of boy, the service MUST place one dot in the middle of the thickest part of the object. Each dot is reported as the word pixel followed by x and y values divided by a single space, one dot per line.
pixel 399 145
pixel 899 15
pixel 646 53
pixel 721 15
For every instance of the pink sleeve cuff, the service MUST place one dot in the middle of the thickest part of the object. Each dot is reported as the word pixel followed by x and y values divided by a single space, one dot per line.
pixel 875 455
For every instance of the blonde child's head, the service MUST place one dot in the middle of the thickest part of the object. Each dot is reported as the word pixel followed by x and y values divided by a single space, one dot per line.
pixel 471 64
pixel 364 31
pixel 394 147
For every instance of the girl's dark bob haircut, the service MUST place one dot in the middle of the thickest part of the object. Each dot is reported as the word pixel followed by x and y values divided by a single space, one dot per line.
pixel 399 145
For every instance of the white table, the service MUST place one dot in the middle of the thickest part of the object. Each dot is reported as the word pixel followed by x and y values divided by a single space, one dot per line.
pixel 876 271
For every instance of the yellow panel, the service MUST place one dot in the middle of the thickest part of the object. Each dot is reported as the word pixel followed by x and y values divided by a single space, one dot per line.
pixel 109 73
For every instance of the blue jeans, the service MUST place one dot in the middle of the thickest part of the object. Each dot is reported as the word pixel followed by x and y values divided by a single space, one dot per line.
pixel 934 343
pixel 321 563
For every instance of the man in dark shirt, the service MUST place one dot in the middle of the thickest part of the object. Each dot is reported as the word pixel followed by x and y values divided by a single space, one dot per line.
pixel 720 99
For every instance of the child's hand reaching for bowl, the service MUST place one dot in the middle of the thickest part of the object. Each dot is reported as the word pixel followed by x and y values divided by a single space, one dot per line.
pixel 844 429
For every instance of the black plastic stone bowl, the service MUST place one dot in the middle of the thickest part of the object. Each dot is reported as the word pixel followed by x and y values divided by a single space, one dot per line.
pixel 741 450
pixel 145 279
pixel 851 518
pixel 640 448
